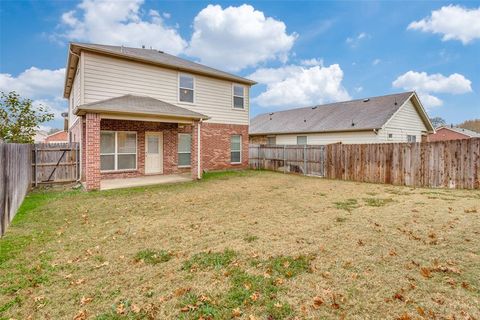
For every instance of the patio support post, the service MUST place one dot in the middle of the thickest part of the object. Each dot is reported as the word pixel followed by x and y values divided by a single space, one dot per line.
pixel 92 151
pixel 196 151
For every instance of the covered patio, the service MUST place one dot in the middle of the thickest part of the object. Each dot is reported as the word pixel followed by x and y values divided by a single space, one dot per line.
pixel 108 184
pixel 138 140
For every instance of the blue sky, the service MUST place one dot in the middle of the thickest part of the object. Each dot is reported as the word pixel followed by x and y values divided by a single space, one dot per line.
pixel 301 53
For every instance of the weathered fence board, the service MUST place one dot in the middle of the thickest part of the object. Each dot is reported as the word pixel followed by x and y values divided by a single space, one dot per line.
pixel 452 164
pixel 15 179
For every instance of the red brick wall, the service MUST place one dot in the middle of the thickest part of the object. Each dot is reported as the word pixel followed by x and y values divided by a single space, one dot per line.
pixel 92 151
pixel 215 146
pixel 444 134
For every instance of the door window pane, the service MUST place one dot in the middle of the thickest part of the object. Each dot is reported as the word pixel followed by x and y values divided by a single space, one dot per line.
pixel 107 142
pixel 126 161
pixel 152 146
pixel 107 162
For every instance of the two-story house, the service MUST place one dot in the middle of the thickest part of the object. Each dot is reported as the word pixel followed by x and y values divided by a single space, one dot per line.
pixel 138 111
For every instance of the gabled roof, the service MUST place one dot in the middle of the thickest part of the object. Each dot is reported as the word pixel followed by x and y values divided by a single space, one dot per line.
pixel 58 136
pixel 150 56
pixel 138 105
pixel 355 115
pixel 469 133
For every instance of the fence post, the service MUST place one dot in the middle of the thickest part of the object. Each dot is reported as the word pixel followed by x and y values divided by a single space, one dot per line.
pixel 305 160
pixel 35 153
pixel 284 164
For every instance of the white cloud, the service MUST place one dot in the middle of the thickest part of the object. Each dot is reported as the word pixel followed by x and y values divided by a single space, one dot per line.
pixel 238 37
pixel 355 41
pixel 376 61
pixel 311 62
pixel 120 23
pixel 297 86
pixel 453 21
pixel 358 89
pixel 426 84
pixel 43 86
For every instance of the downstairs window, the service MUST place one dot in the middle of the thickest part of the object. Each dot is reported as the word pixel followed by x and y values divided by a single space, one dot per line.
pixel 118 150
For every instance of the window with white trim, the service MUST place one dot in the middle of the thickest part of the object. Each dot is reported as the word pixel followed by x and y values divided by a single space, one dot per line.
pixel 118 150
pixel 238 96
pixel 236 148
pixel 302 140
pixel 186 88
pixel 184 149
pixel 411 138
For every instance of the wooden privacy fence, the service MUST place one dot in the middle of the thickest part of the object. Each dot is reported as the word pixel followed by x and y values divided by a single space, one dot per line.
pixel 308 160
pixel 55 162
pixel 452 164
pixel 15 179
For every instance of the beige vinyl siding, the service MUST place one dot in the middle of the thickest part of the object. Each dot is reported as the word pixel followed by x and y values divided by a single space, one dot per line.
pixel 331 137
pixel 76 94
pixel 405 122
pixel 107 77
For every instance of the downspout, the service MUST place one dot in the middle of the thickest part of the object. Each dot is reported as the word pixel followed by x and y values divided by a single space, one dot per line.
pixel 199 160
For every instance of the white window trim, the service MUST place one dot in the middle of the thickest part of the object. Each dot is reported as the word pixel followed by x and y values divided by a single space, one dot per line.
pixel 411 135
pixel 194 88
pixel 233 96
pixel 306 141
pixel 183 152
pixel 115 154
pixel 241 139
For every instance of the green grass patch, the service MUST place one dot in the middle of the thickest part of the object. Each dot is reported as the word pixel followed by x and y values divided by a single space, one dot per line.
pixel 377 202
pixel 153 257
pixel 288 266
pixel 347 205
pixel 206 260
pixel 250 238
pixel 16 301
pixel 193 306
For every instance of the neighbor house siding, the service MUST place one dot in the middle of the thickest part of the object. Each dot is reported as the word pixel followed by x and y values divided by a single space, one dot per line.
pixel 331 137
pixel 405 122
pixel 107 77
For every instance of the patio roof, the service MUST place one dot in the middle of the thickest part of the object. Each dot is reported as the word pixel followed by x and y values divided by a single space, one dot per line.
pixel 138 105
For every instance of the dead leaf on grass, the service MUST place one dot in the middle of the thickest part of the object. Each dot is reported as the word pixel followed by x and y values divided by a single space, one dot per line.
pixel 120 309
pixel 317 302
pixel 420 311
pixel 236 313
pixel 181 291
pixel 425 272
pixel 85 300
pixel 135 308
pixel 254 296
pixel 404 316
pixel 470 210
pixel 81 315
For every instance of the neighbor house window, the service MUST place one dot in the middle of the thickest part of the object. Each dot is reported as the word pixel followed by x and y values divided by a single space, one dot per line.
pixel 236 148
pixel 118 150
pixel 271 141
pixel 390 136
pixel 238 96
pixel 184 149
pixel 411 138
pixel 186 88
pixel 302 140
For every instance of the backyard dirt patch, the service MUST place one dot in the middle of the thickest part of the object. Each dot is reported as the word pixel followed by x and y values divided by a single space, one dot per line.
pixel 245 245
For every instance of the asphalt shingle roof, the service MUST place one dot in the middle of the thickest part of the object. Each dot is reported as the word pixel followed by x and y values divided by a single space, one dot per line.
pixel 370 113
pixel 470 133
pixel 160 57
pixel 132 104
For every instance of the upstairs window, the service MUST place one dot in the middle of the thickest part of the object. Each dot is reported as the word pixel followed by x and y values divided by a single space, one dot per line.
pixel 302 140
pixel 186 88
pixel 238 96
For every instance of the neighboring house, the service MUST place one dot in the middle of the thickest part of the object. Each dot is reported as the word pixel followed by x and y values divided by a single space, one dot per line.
pixel 391 118
pixel 40 136
pixel 57 137
pixel 445 133
pixel 139 111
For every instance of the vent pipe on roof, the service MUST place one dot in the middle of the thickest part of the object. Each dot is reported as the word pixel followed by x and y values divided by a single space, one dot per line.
pixel 366 100
pixel 143 46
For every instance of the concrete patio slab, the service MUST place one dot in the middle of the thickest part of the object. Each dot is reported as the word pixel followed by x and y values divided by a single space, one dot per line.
pixel 143 181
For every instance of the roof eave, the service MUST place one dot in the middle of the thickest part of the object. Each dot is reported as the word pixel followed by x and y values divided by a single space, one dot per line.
pixel 310 132
pixel 79 111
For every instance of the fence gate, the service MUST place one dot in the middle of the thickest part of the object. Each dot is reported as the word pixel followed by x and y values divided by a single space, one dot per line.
pixel 55 162
pixel 307 160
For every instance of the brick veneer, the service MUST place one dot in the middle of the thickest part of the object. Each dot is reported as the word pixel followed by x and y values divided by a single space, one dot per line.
pixel 215 146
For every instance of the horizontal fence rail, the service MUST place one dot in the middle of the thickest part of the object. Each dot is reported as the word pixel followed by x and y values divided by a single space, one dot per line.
pixel 15 179
pixel 451 164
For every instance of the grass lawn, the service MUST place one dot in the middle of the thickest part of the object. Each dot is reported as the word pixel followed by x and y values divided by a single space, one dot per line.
pixel 246 245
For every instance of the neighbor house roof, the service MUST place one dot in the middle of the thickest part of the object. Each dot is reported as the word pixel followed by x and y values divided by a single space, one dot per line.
pixel 355 115
pixel 467 132
pixel 138 105
pixel 57 136
pixel 150 56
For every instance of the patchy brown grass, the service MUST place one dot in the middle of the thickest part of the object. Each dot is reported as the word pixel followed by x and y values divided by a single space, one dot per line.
pixel 239 244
